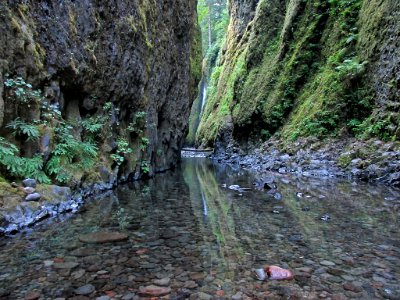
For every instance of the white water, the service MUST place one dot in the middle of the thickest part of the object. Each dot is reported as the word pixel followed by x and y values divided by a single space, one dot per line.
pixel 203 98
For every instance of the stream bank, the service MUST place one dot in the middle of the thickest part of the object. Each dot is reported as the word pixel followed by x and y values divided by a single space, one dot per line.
pixel 369 160
pixel 19 211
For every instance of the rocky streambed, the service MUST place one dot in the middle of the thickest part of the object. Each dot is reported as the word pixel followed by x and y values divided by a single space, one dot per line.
pixel 368 161
pixel 199 232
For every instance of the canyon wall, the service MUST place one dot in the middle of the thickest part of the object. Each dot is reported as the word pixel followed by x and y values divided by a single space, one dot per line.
pixel 120 75
pixel 294 69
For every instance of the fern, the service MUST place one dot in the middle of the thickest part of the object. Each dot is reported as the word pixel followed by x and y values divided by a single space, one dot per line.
pixel 21 167
pixel 93 127
pixel 22 128
pixel 70 155
pixel 7 149
pixel 22 91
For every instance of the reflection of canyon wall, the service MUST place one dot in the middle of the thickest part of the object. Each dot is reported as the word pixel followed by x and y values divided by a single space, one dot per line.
pixel 246 223
pixel 219 223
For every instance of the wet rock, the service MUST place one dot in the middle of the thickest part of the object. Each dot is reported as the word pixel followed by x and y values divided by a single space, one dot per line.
pixel 48 263
pixel 197 276
pixel 32 296
pixel 82 252
pixel 78 274
pixel 41 214
pixel 265 183
pixel 65 265
pixel 237 296
pixel 277 273
pixel 390 293
pixel 85 290
pixel 349 286
pixel 29 190
pixel 80 297
pixel 29 182
pixel 162 282
pixel 103 237
pixel 327 263
pixel 11 229
pixel 260 274
pixel 154 291
pixel 104 298
pixel 128 296
pixel 201 296
pixel 33 197
pixel 325 217
pixel 190 284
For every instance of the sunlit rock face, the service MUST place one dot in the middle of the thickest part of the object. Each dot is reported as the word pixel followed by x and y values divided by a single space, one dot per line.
pixel 137 57
pixel 295 68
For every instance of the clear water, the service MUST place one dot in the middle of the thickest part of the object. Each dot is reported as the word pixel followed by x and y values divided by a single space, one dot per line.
pixel 206 238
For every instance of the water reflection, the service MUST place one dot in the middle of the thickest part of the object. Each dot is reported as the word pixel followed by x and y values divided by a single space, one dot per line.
pixel 190 232
pixel 359 223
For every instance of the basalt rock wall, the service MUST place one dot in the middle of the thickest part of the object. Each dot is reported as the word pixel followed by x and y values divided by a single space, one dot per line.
pixel 295 69
pixel 131 65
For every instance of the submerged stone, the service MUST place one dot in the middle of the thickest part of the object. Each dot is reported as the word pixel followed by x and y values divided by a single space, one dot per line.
pixel 103 237
pixel 32 296
pixel 85 290
pixel 277 273
pixel 154 291
pixel 65 265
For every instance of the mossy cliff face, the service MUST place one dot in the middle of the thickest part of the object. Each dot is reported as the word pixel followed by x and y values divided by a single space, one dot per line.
pixel 305 68
pixel 133 64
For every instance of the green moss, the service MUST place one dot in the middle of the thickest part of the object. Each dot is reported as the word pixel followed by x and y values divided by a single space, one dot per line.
pixel 7 190
pixel 131 21
pixel 344 160
pixel 72 22
pixel 220 101
pixel 308 79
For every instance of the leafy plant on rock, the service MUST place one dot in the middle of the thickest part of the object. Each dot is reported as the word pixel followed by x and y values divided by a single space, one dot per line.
pixel 122 150
pixel 21 128
pixel 21 166
pixel 70 155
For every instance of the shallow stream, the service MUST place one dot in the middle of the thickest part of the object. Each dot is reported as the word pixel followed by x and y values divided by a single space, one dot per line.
pixel 190 232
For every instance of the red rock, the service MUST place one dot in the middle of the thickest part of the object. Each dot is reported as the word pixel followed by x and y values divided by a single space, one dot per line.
pixel 348 286
pixel 220 293
pixel 141 251
pixel 32 296
pixel 277 273
pixel 58 260
pixel 110 293
pixel 154 291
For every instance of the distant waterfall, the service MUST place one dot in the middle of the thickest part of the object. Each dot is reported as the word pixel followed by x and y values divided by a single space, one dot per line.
pixel 197 111
pixel 203 95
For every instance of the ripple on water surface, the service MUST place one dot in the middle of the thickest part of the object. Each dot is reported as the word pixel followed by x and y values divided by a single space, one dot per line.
pixel 190 236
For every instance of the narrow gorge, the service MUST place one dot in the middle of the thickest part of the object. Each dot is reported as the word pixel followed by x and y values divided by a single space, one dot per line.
pixel 199 149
